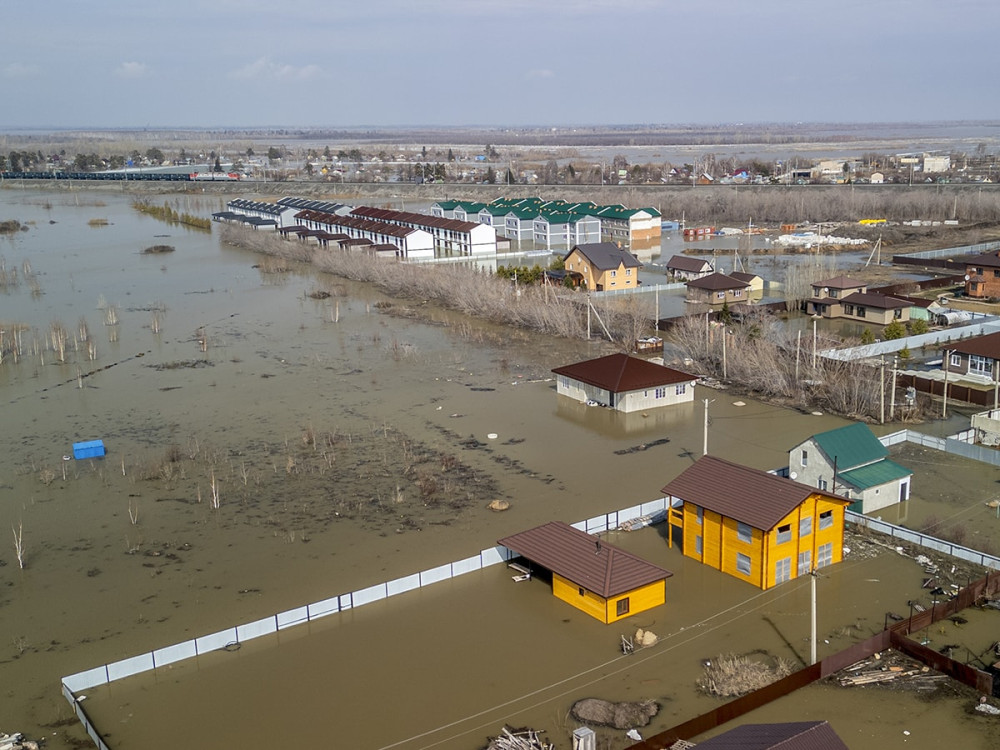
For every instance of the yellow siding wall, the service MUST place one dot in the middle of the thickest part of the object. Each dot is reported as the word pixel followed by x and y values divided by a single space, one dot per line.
pixel 720 541
pixel 606 610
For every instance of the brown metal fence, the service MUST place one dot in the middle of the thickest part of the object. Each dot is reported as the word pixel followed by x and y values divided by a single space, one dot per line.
pixel 895 636
pixel 966 394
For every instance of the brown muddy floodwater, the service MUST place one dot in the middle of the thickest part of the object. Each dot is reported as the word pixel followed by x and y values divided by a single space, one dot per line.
pixel 345 440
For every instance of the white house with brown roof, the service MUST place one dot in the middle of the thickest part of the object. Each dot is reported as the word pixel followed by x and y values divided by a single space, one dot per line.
pixel 687 268
pixel 624 383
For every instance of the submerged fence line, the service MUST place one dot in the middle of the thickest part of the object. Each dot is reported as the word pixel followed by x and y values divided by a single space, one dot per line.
pixel 654 510
pixel 271 624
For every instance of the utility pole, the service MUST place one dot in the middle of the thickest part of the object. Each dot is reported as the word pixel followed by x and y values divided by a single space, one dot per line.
pixel 723 352
pixel 704 443
pixel 881 382
pixel 892 393
pixel 798 345
pixel 814 344
pixel 947 364
pixel 812 617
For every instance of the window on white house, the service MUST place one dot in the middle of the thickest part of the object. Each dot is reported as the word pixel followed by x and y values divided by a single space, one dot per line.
pixel 821 484
pixel 956 360
pixel 743 563
pixel 661 392
pixel 805 458
pixel 744 532
pixel 680 389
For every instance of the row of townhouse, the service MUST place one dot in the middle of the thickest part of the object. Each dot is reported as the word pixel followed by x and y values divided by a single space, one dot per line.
pixel 414 236
pixel 558 222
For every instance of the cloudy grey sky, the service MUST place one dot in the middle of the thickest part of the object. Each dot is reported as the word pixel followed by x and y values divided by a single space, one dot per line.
pixel 112 63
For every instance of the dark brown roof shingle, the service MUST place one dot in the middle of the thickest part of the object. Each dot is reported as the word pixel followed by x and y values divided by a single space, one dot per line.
pixel 748 495
pixel 619 373
pixel 793 735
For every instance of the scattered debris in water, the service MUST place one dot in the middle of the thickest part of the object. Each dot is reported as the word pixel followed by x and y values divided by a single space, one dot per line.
pixel 891 667
pixel 498 505
pixel 642 446
pixel 519 739
pixel 158 249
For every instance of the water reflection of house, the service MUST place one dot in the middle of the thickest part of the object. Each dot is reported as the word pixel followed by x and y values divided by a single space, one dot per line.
pixel 604 265
pixel 624 383
pixel 717 289
pixel 756 526
pixel 597 578
pixel 686 268
pixel 852 462
pixel 642 427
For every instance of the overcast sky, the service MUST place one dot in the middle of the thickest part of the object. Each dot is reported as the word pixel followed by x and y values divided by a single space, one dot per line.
pixel 173 63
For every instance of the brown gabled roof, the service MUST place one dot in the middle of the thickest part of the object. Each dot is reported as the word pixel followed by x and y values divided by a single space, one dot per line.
pixel 748 495
pixel 605 255
pixel 747 277
pixel 619 373
pixel 717 282
pixel 797 735
pixel 984 346
pixel 584 559
pixel 840 282
pixel 690 265
pixel 987 260
pixel 879 301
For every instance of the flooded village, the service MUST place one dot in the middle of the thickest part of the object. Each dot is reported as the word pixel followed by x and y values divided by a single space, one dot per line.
pixel 307 437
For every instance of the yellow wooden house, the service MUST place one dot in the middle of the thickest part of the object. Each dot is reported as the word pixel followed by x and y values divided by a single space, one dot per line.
pixel 756 526
pixel 598 578
pixel 603 266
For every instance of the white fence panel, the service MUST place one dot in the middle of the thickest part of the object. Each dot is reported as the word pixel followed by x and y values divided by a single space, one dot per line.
pixel 86 680
pixel 468 565
pixel 130 666
pixel 295 616
pixel 937 544
pixel 494 556
pixel 323 608
pixel 402 585
pixel 596 524
pixel 215 640
pixel 581 525
pixel 178 652
pixel 440 573
pixel 656 506
pixel 893 438
pixel 627 514
pixel 250 630
pixel 367 596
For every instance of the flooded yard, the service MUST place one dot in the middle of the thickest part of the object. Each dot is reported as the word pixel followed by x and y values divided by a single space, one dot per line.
pixel 269 446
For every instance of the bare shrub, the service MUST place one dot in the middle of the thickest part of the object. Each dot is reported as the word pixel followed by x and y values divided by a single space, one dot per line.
pixel 730 675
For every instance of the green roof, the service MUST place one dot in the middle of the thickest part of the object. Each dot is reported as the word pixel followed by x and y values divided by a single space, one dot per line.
pixel 470 206
pixel 851 446
pixel 446 205
pixel 872 475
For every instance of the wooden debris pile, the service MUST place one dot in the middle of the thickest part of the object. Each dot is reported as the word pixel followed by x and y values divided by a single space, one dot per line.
pixel 891 667
pixel 519 739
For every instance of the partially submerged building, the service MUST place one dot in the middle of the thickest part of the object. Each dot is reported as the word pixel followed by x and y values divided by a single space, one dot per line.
pixel 598 578
pixel 604 266
pixel 718 289
pixel 624 383
pixel 754 525
pixel 852 462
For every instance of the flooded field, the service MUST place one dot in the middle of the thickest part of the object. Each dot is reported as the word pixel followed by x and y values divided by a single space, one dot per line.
pixel 269 445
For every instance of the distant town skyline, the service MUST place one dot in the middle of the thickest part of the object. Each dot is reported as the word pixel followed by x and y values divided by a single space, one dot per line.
pixel 191 63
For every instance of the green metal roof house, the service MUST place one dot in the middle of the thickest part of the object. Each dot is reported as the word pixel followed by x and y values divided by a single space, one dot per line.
pixel 852 462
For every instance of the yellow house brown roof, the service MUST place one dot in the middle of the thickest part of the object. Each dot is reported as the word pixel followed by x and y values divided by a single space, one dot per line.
pixel 748 495
pixel 584 559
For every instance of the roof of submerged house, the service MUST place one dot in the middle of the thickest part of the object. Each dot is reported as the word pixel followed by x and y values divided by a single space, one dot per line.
pixel 618 373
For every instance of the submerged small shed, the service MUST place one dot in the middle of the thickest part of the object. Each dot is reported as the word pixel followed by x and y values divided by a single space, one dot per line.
pixel 598 578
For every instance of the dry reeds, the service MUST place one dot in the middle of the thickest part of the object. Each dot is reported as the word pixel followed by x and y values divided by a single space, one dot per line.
pixel 730 676
pixel 19 543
